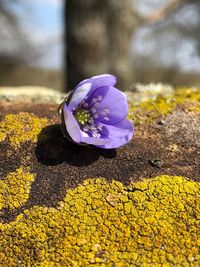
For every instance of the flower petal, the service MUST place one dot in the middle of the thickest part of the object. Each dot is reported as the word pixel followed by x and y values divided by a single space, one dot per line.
pixel 95 141
pixel 79 94
pixel 72 125
pixel 119 134
pixel 99 81
pixel 113 107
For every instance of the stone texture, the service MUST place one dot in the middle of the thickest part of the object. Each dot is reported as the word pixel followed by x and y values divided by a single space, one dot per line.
pixel 60 217
pixel 36 94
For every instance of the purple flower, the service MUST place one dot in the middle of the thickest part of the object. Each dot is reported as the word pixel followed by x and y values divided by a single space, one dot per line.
pixel 95 113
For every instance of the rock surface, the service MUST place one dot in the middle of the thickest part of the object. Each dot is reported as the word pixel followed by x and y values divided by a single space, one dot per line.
pixel 31 94
pixel 68 205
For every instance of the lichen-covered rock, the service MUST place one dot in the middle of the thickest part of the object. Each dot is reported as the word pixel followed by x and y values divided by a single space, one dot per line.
pixel 15 189
pixel 21 128
pixel 31 94
pixel 144 211
pixel 152 222
pixel 155 108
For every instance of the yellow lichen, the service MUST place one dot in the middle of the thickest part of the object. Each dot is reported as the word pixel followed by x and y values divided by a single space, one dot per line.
pixel 20 128
pixel 14 190
pixel 154 222
pixel 194 108
pixel 183 95
pixel 150 110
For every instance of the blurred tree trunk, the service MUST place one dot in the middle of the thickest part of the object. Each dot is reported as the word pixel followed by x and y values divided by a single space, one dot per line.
pixel 98 39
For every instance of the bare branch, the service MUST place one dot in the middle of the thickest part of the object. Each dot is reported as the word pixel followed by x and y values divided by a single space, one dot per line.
pixel 165 11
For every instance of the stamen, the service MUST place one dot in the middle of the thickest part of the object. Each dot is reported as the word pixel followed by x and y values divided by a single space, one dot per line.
pixel 85 105
pixel 95 116
pixel 93 128
pixel 86 128
pixel 106 110
pixel 106 118
pixel 99 127
pixel 99 97
pixel 97 135
pixel 93 110
pixel 96 105
pixel 94 100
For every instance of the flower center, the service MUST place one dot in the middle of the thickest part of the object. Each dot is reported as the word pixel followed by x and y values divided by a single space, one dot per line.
pixel 82 116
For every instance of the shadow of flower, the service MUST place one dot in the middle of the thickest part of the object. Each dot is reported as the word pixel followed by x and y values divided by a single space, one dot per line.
pixel 60 164
pixel 53 149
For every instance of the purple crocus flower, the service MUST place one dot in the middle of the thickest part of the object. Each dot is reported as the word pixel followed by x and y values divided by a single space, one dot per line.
pixel 95 113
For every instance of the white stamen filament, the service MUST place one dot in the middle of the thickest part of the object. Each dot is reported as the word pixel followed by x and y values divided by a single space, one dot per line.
pixel 106 110
pixel 99 126
pixel 96 116
pixel 93 128
pixel 99 97
pixel 97 135
pixel 96 105
pixel 106 118
pixel 93 110
pixel 94 100
pixel 85 105
pixel 86 128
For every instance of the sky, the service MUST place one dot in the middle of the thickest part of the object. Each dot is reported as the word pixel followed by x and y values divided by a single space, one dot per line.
pixel 46 15
pixel 169 46
pixel 43 23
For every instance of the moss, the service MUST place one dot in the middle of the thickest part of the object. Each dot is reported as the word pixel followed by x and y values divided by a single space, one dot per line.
pixel 154 222
pixel 14 190
pixel 20 128
pixel 151 110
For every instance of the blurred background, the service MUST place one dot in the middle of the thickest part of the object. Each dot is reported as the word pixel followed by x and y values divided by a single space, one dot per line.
pixel 57 43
